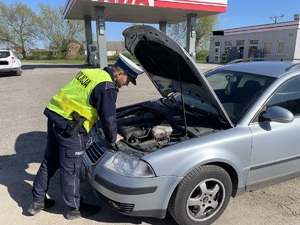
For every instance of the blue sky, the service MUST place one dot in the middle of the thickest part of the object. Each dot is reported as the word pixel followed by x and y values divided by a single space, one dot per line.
pixel 240 13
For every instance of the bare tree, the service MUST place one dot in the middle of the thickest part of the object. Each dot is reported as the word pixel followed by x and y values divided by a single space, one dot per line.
pixel 58 32
pixel 18 26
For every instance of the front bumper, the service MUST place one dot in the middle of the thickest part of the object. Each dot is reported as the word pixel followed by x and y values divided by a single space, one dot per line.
pixel 146 197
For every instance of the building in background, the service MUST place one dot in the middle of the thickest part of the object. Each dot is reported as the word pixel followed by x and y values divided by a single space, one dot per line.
pixel 276 41
pixel 115 47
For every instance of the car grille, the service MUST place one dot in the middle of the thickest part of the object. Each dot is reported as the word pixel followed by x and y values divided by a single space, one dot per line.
pixel 94 152
pixel 121 207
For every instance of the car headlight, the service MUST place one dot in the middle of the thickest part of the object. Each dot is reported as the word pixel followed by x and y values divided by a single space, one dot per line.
pixel 129 165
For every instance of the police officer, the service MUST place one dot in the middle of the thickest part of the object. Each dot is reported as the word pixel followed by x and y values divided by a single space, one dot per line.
pixel 71 113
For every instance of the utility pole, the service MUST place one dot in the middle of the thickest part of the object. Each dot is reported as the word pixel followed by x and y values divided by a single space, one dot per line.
pixel 275 19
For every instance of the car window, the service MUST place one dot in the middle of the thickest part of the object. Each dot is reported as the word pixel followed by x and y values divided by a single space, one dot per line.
pixel 237 91
pixel 4 54
pixel 287 96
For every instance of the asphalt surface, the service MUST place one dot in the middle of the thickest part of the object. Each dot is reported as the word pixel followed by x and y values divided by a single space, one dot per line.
pixel 23 139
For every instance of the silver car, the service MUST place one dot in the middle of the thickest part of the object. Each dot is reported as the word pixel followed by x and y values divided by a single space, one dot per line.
pixel 209 138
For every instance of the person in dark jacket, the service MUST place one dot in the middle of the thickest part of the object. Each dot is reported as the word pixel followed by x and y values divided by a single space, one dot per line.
pixel 71 113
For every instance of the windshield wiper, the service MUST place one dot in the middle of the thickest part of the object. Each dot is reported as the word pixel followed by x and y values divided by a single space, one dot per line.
pixel 172 101
pixel 199 111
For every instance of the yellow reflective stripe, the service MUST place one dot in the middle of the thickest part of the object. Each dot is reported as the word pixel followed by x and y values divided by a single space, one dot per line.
pixel 68 106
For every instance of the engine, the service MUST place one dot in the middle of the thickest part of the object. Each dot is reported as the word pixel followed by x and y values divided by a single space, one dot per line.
pixel 146 130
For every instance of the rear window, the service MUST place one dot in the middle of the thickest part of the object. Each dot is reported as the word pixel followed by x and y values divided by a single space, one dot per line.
pixel 4 54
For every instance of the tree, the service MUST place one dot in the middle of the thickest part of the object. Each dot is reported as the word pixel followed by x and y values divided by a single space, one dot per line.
pixel 18 26
pixel 204 26
pixel 58 32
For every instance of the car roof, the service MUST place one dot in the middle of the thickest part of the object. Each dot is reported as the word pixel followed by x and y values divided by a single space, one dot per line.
pixel 267 68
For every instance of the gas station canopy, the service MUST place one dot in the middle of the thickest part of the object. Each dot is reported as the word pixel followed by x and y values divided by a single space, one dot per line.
pixel 143 11
pixel 160 12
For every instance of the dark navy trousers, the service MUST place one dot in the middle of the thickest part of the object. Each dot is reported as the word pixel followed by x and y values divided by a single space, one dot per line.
pixel 65 153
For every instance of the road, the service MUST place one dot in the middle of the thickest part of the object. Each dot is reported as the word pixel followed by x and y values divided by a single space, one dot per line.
pixel 23 139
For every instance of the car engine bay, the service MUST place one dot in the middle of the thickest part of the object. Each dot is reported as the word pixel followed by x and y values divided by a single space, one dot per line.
pixel 149 129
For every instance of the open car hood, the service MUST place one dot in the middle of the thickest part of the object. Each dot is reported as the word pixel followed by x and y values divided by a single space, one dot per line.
pixel 169 66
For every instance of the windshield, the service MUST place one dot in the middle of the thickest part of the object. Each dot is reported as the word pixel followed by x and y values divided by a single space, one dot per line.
pixel 237 91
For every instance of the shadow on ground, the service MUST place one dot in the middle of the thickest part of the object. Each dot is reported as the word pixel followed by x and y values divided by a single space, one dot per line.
pixel 17 175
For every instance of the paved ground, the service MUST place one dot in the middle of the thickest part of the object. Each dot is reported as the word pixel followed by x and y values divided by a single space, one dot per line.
pixel 23 138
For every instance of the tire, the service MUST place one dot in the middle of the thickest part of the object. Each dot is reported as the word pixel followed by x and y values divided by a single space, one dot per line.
pixel 201 197
pixel 18 73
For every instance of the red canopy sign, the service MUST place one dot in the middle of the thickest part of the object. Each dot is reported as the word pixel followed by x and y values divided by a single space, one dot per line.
pixel 212 5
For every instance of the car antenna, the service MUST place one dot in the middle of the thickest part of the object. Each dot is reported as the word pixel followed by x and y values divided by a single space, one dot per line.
pixel 182 98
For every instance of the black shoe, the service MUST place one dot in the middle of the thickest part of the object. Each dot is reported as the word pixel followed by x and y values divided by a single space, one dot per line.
pixel 36 207
pixel 49 202
pixel 73 214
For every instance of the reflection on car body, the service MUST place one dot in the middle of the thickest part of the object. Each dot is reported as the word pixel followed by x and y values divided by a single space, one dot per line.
pixel 209 138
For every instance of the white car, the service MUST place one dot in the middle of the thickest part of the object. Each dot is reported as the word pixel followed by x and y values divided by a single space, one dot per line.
pixel 10 63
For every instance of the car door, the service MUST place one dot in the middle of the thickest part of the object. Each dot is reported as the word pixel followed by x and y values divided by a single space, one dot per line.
pixel 276 146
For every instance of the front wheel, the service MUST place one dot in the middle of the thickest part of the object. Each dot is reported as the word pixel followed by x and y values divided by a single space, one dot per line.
pixel 202 196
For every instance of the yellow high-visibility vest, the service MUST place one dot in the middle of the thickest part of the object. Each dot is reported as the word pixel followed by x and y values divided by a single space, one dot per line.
pixel 75 96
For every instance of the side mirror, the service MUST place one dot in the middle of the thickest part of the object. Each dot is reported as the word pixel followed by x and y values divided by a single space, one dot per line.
pixel 277 114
